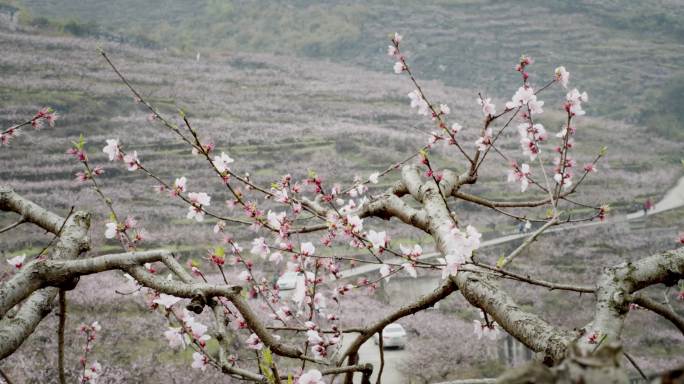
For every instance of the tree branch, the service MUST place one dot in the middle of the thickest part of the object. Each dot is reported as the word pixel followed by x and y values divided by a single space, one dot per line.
pixel 660 309
pixel 617 283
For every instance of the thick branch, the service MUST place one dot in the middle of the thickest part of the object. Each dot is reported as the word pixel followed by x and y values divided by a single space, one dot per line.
pixel 15 330
pixel 390 205
pixel 618 283
pixel 30 211
pixel 661 309
pixel 480 288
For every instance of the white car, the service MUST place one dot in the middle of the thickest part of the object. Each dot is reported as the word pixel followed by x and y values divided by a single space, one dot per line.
pixel 393 335
pixel 288 281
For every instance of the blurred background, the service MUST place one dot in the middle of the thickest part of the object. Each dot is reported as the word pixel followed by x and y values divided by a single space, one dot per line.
pixel 285 87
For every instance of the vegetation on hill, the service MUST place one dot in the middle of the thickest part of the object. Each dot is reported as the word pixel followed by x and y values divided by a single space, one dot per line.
pixel 276 113
pixel 625 51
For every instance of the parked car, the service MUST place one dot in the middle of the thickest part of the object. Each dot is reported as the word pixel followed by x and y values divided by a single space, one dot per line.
pixel 288 281
pixel 393 336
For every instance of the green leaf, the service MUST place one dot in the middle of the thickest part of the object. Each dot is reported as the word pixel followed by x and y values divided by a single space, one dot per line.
pixel 219 251
pixel 290 380
pixel 267 356
pixel 500 262
pixel 603 151
pixel 181 113
pixel 266 363
pixel 81 142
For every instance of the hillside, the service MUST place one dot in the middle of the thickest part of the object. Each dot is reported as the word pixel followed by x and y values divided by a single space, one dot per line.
pixel 274 114
pixel 626 51
pixel 277 113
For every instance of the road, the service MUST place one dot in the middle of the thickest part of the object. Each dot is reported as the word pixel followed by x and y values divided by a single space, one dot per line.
pixel 674 198
pixel 369 353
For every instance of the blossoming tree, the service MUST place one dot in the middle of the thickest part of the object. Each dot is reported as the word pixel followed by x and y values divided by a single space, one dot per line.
pixel 311 228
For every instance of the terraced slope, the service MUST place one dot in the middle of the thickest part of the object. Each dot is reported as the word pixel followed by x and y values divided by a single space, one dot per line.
pixel 626 51
pixel 274 114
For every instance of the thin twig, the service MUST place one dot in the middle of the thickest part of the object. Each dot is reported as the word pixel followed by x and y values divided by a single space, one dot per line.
pixel 542 283
pixel 11 226
pixel 527 242
pixel 60 336
pixel 381 348
pixel 58 234
pixel 5 377
pixel 631 360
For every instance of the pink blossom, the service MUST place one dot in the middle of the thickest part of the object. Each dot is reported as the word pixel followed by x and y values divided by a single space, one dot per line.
pixel 111 230
pixel 167 301
pixel 175 337
pixel 574 100
pixel 276 257
pixel 219 226
pixel 562 76
pixel 179 186
pixel 112 150
pixel 373 178
pixel 221 162
pixel 281 196
pixel 284 313
pixel 590 167
pixel 17 261
pixel 412 253
pixel 312 376
pixel 444 109
pixel 199 361
pixel 260 248
pixel 253 342
pixel 485 141
pixel 525 96
pixel 417 101
pixel 450 268
pixel 399 67
pixel 307 249
pixel 397 38
pixel 319 301
pixel 245 276
pixel 197 329
pixel 90 374
pixel 299 293
pixel 132 161
pixel 410 269
pixel 529 148
pixel 378 239
pixel 199 200
pixel 488 109
pixel 593 337
pixel 564 179
pixel 490 331
pixel 466 243
pixel 520 174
